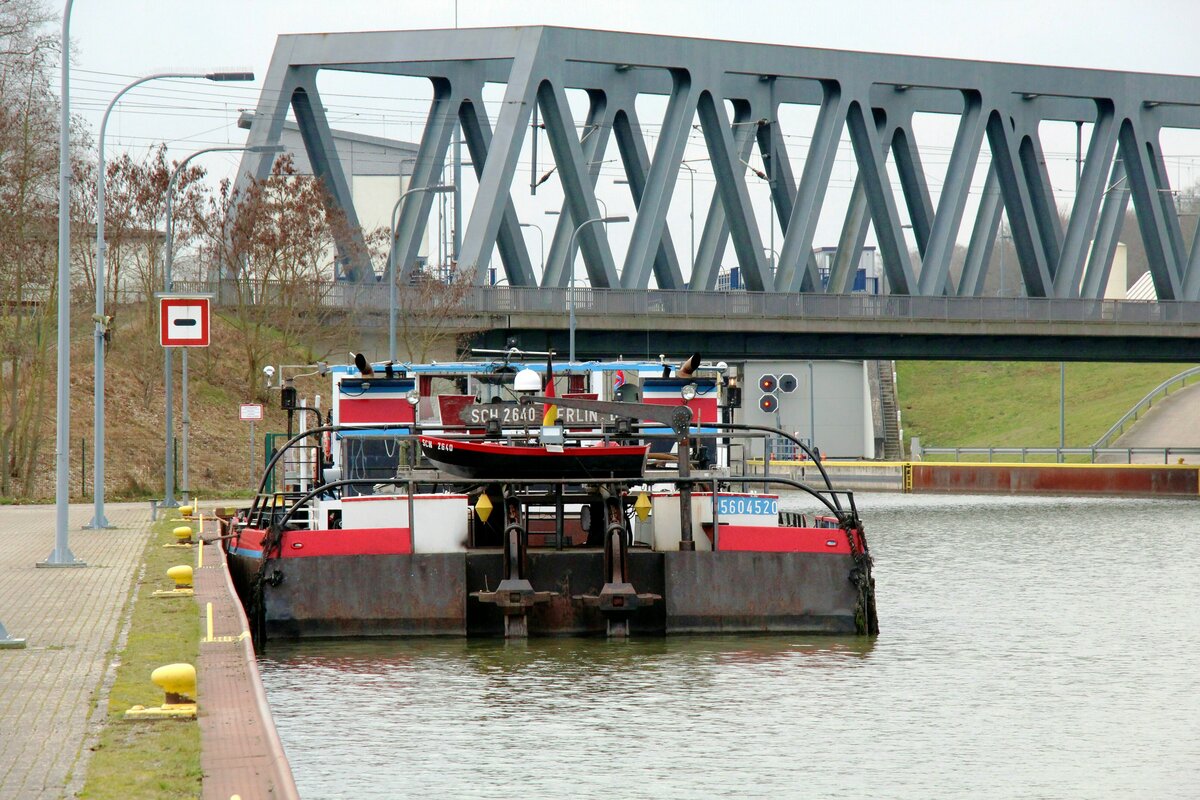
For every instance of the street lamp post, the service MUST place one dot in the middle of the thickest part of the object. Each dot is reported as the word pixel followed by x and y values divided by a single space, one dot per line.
pixel 168 366
pixel 571 266
pixel 62 556
pixel 541 243
pixel 692 213
pixel 391 262
pixel 98 518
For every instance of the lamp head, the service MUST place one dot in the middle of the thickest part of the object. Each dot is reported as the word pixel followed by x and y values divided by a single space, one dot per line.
pixel 222 77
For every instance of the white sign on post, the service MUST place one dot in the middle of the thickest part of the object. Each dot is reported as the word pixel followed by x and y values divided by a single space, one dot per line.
pixel 252 413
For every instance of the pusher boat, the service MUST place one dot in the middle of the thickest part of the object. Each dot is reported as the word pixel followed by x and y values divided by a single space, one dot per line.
pixel 479 499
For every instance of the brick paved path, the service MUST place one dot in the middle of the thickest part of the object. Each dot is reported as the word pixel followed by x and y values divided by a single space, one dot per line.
pixel 69 617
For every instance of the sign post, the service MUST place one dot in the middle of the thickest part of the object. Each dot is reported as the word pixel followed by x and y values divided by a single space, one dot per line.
pixel 183 322
pixel 251 412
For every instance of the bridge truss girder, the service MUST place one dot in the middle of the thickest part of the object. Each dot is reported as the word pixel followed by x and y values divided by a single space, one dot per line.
pixel 732 92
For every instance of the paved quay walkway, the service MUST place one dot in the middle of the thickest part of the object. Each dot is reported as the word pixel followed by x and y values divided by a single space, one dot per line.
pixel 69 619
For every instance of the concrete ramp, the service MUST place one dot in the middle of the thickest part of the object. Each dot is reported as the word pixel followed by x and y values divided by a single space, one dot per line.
pixel 1172 422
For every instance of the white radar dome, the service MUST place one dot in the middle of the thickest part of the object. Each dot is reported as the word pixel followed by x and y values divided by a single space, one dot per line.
pixel 527 381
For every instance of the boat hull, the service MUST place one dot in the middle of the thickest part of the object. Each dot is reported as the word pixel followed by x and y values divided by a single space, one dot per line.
pixel 492 461
pixel 431 594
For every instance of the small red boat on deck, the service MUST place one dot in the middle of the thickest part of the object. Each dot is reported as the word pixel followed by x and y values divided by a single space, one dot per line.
pixel 486 460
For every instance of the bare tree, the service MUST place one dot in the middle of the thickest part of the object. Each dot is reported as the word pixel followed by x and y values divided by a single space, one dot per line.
pixel 272 245
pixel 135 221
pixel 28 238
pixel 432 314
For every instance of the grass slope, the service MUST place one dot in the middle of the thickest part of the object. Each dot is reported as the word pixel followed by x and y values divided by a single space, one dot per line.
pixel 144 759
pixel 1016 403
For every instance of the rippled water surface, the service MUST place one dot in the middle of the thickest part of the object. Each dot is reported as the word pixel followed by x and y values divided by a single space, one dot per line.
pixel 1030 647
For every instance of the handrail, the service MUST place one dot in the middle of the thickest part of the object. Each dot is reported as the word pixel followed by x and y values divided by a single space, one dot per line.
pixel 413 431
pixel 830 502
pixel 1092 452
pixel 1165 388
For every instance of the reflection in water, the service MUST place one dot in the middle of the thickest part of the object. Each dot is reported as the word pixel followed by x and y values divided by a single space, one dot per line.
pixel 1031 647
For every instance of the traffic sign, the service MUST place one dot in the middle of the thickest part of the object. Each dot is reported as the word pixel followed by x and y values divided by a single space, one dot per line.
pixel 183 321
pixel 250 412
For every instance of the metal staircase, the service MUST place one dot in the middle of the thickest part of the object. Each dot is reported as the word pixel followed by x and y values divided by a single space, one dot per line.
pixel 893 447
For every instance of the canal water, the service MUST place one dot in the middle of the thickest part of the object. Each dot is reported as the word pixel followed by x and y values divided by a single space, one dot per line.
pixel 1030 647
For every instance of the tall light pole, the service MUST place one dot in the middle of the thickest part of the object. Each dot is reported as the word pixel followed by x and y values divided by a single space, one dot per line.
pixel 168 366
pixel 98 518
pixel 571 266
pixel 692 213
pixel 62 556
pixel 541 243
pixel 391 262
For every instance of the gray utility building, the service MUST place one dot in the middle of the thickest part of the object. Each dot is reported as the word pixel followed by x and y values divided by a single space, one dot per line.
pixel 823 403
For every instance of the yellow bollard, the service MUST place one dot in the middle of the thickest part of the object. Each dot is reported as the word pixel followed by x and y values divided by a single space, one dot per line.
pixel 183 537
pixel 185 511
pixel 182 574
pixel 178 682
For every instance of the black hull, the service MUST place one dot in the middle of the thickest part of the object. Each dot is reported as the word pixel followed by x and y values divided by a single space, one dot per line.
pixel 429 594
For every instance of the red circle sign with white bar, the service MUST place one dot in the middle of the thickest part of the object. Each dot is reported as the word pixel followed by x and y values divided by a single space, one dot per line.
pixel 183 321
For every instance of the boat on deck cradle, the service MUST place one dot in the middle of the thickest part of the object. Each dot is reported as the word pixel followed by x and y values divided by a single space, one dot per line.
pixel 471 499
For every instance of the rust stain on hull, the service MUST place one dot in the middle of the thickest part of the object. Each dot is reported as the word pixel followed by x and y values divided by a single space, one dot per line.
pixel 1056 479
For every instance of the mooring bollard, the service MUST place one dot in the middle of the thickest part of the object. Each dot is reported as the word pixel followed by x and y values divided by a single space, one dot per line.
pixel 178 682
pixel 183 537
pixel 182 575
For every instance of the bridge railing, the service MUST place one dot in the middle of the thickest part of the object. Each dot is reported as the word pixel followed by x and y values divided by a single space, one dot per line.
pixel 509 299
pixel 506 299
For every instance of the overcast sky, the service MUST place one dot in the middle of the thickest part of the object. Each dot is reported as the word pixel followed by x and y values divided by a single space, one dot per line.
pixel 117 40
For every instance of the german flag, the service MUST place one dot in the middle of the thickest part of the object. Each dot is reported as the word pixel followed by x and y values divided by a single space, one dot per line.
pixel 550 416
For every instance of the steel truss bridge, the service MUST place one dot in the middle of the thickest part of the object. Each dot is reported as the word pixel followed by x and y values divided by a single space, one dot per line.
pixel 870 96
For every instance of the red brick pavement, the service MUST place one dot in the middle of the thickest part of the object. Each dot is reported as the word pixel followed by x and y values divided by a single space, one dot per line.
pixel 240 750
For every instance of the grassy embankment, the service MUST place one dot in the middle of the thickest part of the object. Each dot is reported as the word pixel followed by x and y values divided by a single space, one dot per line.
pixel 1016 404
pixel 159 759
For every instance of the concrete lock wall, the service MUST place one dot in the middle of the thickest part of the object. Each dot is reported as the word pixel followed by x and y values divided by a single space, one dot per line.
pixel 841 424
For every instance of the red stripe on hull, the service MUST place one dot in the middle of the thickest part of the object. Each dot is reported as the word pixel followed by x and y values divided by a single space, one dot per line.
pixel 345 542
pixel 735 538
